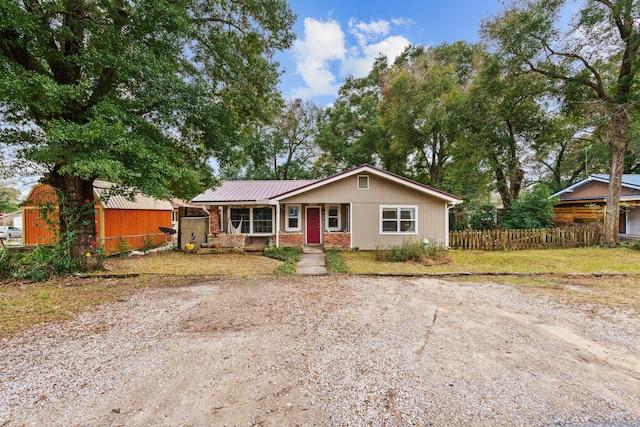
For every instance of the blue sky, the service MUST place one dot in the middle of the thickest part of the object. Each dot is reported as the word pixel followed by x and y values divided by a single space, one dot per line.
pixel 341 38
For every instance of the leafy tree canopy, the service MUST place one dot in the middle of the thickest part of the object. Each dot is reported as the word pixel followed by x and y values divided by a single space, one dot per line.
pixel 139 92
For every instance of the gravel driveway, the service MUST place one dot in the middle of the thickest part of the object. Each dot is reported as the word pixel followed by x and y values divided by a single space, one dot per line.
pixel 327 351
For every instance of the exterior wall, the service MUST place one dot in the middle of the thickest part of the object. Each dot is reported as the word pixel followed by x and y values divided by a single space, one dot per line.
pixel 291 239
pixel 596 190
pixel 140 225
pixel 233 241
pixel 432 211
pixel 35 230
pixel 337 240
pixel 633 221
pixel 366 225
pixel 214 219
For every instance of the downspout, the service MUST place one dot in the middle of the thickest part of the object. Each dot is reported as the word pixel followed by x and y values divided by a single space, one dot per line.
pixel 208 220
pixel 446 222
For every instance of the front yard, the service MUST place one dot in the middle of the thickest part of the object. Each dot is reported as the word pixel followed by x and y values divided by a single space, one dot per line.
pixel 582 276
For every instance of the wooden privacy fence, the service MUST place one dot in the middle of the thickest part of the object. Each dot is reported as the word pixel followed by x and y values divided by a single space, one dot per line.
pixel 574 236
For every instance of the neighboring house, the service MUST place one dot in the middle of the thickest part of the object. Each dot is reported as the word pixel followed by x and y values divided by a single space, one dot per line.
pixel 365 208
pixel 585 201
pixel 121 223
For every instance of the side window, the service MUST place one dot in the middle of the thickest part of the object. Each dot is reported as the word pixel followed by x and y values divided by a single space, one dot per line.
pixel 398 220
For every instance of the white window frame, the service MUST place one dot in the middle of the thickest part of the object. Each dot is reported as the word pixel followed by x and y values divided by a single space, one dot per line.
pixel 399 219
pixel 299 217
pixel 358 182
pixel 327 207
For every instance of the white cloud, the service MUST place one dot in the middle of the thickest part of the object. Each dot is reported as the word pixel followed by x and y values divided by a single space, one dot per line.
pixel 323 54
pixel 323 42
pixel 361 62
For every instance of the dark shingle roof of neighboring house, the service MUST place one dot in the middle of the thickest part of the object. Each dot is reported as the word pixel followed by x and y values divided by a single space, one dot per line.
pixel 628 180
pixel 249 191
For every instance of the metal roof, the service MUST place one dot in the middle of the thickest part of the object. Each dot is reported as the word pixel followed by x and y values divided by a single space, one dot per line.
pixel 249 191
pixel 118 201
pixel 628 179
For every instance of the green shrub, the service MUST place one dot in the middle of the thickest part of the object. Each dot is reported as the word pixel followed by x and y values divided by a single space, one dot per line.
pixel 635 245
pixel 287 267
pixel 41 264
pixel 284 253
pixel 289 254
pixel 335 262
pixel 410 251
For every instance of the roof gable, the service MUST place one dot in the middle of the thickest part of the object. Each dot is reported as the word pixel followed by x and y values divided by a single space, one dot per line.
pixel 631 181
pixel 44 193
pixel 378 172
pixel 275 190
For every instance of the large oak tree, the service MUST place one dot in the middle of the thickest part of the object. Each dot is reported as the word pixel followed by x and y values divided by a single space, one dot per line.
pixel 596 56
pixel 140 92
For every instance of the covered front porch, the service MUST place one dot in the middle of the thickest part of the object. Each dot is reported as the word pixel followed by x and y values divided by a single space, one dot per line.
pixel 256 226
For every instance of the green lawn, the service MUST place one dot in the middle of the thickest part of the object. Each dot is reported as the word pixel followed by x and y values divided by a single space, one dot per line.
pixel 557 261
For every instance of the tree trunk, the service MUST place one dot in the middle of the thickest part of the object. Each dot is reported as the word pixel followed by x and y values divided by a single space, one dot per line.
pixel 617 148
pixel 77 219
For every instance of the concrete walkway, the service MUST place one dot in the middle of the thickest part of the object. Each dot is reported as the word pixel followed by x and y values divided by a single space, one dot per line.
pixel 312 262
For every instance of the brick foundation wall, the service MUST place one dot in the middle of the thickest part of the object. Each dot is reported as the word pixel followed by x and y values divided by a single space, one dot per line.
pixel 337 240
pixel 292 239
pixel 234 241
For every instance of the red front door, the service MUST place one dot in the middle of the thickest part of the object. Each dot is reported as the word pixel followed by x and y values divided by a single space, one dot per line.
pixel 313 226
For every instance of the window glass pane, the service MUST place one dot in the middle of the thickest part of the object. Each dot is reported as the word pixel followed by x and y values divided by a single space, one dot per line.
pixel 389 213
pixel 333 222
pixel 238 214
pixel 407 226
pixel 363 182
pixel 293 211
pixel 390 226
pixel 293 223
pixel 407 213
pixel 333 211
pixel 262 220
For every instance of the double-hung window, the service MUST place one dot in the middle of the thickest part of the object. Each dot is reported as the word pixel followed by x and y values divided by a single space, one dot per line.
pixel 293 218
pixel 398 219
pixel 333 218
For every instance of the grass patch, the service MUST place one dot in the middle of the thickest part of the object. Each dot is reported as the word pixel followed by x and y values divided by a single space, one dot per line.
pixel 556 261
pixel 335 262
pixel 180 263
pixel 288 254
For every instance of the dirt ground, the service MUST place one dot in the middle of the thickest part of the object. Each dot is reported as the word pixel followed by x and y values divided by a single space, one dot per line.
pixel 328 351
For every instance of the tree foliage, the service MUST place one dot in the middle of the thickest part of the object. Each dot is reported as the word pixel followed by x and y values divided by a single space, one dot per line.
pixel 139 92
pixel 533 210
pixel 285 149
pixel 596 58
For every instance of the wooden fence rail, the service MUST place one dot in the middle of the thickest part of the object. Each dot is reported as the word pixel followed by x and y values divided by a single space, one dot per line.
pixel 574 236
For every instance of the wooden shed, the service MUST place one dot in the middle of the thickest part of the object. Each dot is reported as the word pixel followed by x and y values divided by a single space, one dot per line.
pixel 121 223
